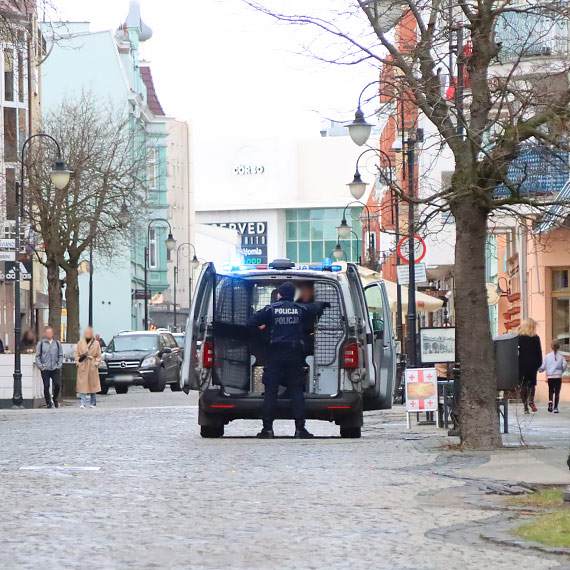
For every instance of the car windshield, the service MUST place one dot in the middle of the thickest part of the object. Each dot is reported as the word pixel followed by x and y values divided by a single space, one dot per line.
pixel 134 343
pixel 179 340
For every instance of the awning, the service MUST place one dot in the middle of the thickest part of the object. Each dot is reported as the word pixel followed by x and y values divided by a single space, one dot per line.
pixel 424 302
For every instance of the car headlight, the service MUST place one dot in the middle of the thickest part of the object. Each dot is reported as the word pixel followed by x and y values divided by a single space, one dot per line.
pixel 149 362
pixel 103 365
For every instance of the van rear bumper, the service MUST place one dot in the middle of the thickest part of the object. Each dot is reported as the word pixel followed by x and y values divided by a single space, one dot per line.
pixel 214 406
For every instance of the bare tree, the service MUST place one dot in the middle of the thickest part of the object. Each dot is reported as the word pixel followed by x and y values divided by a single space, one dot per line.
pixel 107 156
pixel 504 93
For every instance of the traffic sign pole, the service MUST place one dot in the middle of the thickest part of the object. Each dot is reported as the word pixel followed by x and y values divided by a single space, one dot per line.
pixel 412 349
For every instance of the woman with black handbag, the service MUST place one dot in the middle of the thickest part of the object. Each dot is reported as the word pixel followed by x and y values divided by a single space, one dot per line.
pixel 87 359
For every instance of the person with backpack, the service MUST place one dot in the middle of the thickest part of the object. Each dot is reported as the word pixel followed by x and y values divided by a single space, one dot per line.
pixel 87 359
pixel 554 365
pixel 49 359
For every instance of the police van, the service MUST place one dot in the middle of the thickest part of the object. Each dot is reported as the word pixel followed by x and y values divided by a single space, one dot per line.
pixel 352 365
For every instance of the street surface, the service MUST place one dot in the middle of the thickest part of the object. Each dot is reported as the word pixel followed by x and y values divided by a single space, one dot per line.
pixel 162 497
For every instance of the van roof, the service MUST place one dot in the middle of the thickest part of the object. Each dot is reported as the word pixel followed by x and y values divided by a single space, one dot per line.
pixel 285 274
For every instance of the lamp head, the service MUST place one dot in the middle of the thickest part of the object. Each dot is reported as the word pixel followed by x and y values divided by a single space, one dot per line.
pixel 195 262
pixel 59 175
pixel 338 252
pixel 359 129
pixel 357 186
pixel 170 242
pixel 344 229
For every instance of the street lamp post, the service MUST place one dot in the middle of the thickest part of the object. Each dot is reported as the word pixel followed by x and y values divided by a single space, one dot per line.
pixel 170 245
pixel 59 177
pixel 194 263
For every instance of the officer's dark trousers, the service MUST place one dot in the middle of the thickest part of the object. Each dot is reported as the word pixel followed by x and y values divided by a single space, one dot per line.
pixel 284 367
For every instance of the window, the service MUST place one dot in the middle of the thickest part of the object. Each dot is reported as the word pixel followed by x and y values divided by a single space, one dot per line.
pixel 10 135
pixel 152 163
pixel 8 75
pixel 561 309
pixel 10 194
pixel 312 234
pixel 21 88
pixel 152 251
pixel 370 241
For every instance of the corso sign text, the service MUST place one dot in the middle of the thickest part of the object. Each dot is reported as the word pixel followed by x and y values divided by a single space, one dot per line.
pixel 245 170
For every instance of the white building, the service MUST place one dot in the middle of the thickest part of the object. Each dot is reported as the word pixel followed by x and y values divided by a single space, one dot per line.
pixel 285 197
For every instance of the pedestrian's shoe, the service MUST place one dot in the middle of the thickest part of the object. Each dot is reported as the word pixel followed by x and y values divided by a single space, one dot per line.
pixel 49 406
pixel 93 406
pixel 82 406
pixel 526 410
pixel 549 406
pixel 556 411
pixel 533 407
pixel 56 404
pixel 266 433
pixel 303 433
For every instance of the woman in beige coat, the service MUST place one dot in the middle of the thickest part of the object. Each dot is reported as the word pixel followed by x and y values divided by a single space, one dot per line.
pixel 87 359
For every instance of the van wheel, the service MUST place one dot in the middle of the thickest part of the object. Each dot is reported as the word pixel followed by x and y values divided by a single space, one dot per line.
pixel 121 389
pixel 211 431
pixel 350 432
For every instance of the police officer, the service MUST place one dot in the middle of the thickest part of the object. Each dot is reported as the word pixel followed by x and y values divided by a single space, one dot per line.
pixel 285 321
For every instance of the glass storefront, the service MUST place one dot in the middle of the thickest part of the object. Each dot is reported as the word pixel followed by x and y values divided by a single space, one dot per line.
pixel 311 234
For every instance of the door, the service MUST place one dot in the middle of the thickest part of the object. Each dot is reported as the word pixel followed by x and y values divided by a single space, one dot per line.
pixel 169 358
pixel 363 324
pixel 196 328
pixel 380 397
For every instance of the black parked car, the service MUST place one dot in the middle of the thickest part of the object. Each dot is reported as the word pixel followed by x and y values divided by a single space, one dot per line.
pixel 150 359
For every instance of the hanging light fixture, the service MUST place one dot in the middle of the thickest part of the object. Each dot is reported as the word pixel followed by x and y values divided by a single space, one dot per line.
pixel 170 242
pixel 344 229
pixel 338 252
pixel 59 175
pixel 359 129
pixel 195 262
pixel 357 186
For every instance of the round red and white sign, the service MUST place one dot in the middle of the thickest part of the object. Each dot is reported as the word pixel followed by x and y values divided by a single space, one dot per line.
pixel 419 249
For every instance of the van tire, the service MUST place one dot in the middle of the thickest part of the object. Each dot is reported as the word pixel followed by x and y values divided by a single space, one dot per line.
pixel 211 432
pixel 160 383
pixel 350 432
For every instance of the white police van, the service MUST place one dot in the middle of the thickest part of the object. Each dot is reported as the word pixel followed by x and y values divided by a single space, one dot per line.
pixel 354 362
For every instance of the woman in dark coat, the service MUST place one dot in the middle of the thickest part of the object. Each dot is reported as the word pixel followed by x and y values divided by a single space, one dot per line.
pixel 530 359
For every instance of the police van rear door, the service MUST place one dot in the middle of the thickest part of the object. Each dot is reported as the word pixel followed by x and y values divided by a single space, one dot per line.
pixel 364 327
pixel 380 397
pixel 196 328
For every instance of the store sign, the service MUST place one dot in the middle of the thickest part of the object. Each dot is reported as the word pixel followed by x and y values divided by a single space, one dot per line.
pixel 249 170
pixel 7 256
pixel 26 270
pixel 7 243
pixel 253 240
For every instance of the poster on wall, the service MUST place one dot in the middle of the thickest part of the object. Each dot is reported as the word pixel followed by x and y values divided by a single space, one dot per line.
pixel 253 240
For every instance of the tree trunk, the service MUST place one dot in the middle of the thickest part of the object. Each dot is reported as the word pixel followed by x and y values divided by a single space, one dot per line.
pixel 478 420
pixel 72 303
pixel 54 296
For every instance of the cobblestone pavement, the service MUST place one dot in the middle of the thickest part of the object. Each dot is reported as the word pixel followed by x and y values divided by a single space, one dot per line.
pixel 165 498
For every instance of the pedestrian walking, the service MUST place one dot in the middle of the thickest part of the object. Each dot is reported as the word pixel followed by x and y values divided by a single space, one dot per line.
pixel 49 359
pixel 87 359
pixel 530 359
pixel 285 321
pixel 554 365
pixel 101 342
pixel 28 342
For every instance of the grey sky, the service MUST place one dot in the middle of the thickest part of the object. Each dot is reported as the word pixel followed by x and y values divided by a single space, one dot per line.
pixel 220 65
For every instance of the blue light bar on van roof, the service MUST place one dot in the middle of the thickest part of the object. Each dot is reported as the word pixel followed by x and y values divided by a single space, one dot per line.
pixel 317 267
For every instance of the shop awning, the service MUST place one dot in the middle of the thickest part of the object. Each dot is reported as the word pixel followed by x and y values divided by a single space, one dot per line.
pixel 424 302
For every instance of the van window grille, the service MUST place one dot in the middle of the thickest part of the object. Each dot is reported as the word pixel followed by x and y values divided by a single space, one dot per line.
pixel 329 331
pixel 231 351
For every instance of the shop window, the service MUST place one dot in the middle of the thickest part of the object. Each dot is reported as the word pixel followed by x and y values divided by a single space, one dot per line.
pixel 317 231
pixel 8 75
pixel 291 215
pixel 22 126
pixel 317 214
pixel 561 322
pixel 292 230
pixel 303 214
pixel 292 251
pixel 10 135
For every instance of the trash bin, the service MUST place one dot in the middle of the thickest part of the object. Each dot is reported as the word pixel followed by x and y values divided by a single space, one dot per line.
pixel 507 361
pixel 68 381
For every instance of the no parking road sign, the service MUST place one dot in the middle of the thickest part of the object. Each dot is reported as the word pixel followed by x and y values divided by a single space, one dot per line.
pixel 419 249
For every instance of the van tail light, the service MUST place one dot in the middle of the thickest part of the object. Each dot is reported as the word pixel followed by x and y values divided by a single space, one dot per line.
pixel 350 356
pixel 208 355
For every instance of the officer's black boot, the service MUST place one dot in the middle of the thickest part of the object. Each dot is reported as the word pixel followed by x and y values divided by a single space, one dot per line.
pixel 267 431
pixel 301 432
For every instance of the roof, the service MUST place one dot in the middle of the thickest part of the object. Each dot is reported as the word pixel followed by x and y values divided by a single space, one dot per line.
pixel 557 213
pixel 151 97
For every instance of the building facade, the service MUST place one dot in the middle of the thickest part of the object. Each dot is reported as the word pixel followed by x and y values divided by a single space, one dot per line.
pixel 285 198
pixel 107 64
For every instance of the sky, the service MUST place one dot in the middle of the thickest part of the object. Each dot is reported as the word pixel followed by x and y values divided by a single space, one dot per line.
pixel 227 69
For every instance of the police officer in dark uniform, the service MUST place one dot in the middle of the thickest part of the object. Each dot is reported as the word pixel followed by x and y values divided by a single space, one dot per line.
pixel 285 321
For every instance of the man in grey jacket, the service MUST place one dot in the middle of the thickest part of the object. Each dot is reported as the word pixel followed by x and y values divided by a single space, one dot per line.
pixel 49 359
